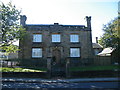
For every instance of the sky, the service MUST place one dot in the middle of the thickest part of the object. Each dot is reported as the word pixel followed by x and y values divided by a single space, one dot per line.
pixel 69 12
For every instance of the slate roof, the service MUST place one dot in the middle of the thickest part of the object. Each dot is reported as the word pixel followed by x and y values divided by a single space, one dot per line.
pixel 97 45
pixel 54 24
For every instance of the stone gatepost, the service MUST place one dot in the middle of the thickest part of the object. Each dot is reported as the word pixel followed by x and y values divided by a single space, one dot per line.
pixel 49 61
pixel 68 67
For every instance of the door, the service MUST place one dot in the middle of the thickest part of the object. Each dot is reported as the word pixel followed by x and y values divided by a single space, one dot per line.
pixel 56 55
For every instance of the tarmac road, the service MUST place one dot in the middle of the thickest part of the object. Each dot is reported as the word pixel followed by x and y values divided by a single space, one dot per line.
pixel 91 85
pixel 50 84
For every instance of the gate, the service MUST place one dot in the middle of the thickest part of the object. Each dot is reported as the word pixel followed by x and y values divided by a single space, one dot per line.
pixel 55 69
pixel 58 70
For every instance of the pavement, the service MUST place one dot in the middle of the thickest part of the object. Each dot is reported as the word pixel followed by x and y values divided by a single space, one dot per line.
pixel 60 80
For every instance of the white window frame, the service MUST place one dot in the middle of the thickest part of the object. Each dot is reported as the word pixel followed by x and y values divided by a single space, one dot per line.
pixel 56 38
pixel 36 52
pixel 37 37
pixel 74 38
pixel 74 52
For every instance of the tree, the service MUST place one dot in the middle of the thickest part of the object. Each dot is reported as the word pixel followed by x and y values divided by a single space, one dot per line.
pixel 110 37
pixel 11 30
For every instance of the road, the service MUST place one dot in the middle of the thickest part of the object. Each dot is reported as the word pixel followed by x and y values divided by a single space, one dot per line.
pixel 91 85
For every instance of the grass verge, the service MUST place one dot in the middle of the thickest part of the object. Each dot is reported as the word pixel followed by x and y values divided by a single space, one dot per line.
pixel 94 68
pixel 7 69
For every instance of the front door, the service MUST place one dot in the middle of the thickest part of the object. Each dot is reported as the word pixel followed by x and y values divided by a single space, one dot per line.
pixel 56 55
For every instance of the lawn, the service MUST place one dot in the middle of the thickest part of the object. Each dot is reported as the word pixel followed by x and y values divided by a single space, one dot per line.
pixel 7 69
pixel 94 68
pixel 85 68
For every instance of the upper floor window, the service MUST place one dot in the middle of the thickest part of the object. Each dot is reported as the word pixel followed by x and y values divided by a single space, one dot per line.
pixel 37 37
pixel 56 38
pixel 74 52
pixel 74 38
pixel 36 52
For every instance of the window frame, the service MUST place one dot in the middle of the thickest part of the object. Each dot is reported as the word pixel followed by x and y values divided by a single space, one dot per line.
pixel 72 38
pixel 57 40
pixel 35 41
pixel 78 52
pixel 40 55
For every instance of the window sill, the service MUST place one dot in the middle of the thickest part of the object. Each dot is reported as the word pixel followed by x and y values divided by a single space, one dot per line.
pixel 75 42
pixel 37 42
pixel 56 42
pixel 36 57
pixel 74 57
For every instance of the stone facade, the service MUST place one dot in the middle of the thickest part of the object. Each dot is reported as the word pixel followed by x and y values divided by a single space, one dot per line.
pixel 59 50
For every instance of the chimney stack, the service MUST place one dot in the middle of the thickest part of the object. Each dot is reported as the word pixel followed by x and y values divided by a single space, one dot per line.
pixel 23 19
pixel 96 39
pixel 88 19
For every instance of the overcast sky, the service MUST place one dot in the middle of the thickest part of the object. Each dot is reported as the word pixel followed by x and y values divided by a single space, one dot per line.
pixel 70 12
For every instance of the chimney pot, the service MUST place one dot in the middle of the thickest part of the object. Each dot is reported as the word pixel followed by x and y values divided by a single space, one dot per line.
pixel 96 39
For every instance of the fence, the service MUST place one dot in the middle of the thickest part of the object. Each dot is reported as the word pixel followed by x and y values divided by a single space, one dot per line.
pixel 97 60
pixel 102 60
pixel 76 62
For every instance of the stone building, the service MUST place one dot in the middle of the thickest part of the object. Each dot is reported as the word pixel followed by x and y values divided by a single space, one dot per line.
pixel 97 48
pixel 56 41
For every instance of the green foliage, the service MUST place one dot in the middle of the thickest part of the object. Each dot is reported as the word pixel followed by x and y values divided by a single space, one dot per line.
pixel 11 30
pixel 110 37
pixel 10 49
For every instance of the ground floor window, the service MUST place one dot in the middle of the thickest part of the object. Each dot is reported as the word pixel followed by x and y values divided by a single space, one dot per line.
pixel 36 52
pixel 74 52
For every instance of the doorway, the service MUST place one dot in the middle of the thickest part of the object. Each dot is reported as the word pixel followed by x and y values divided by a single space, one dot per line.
pixel 56 53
